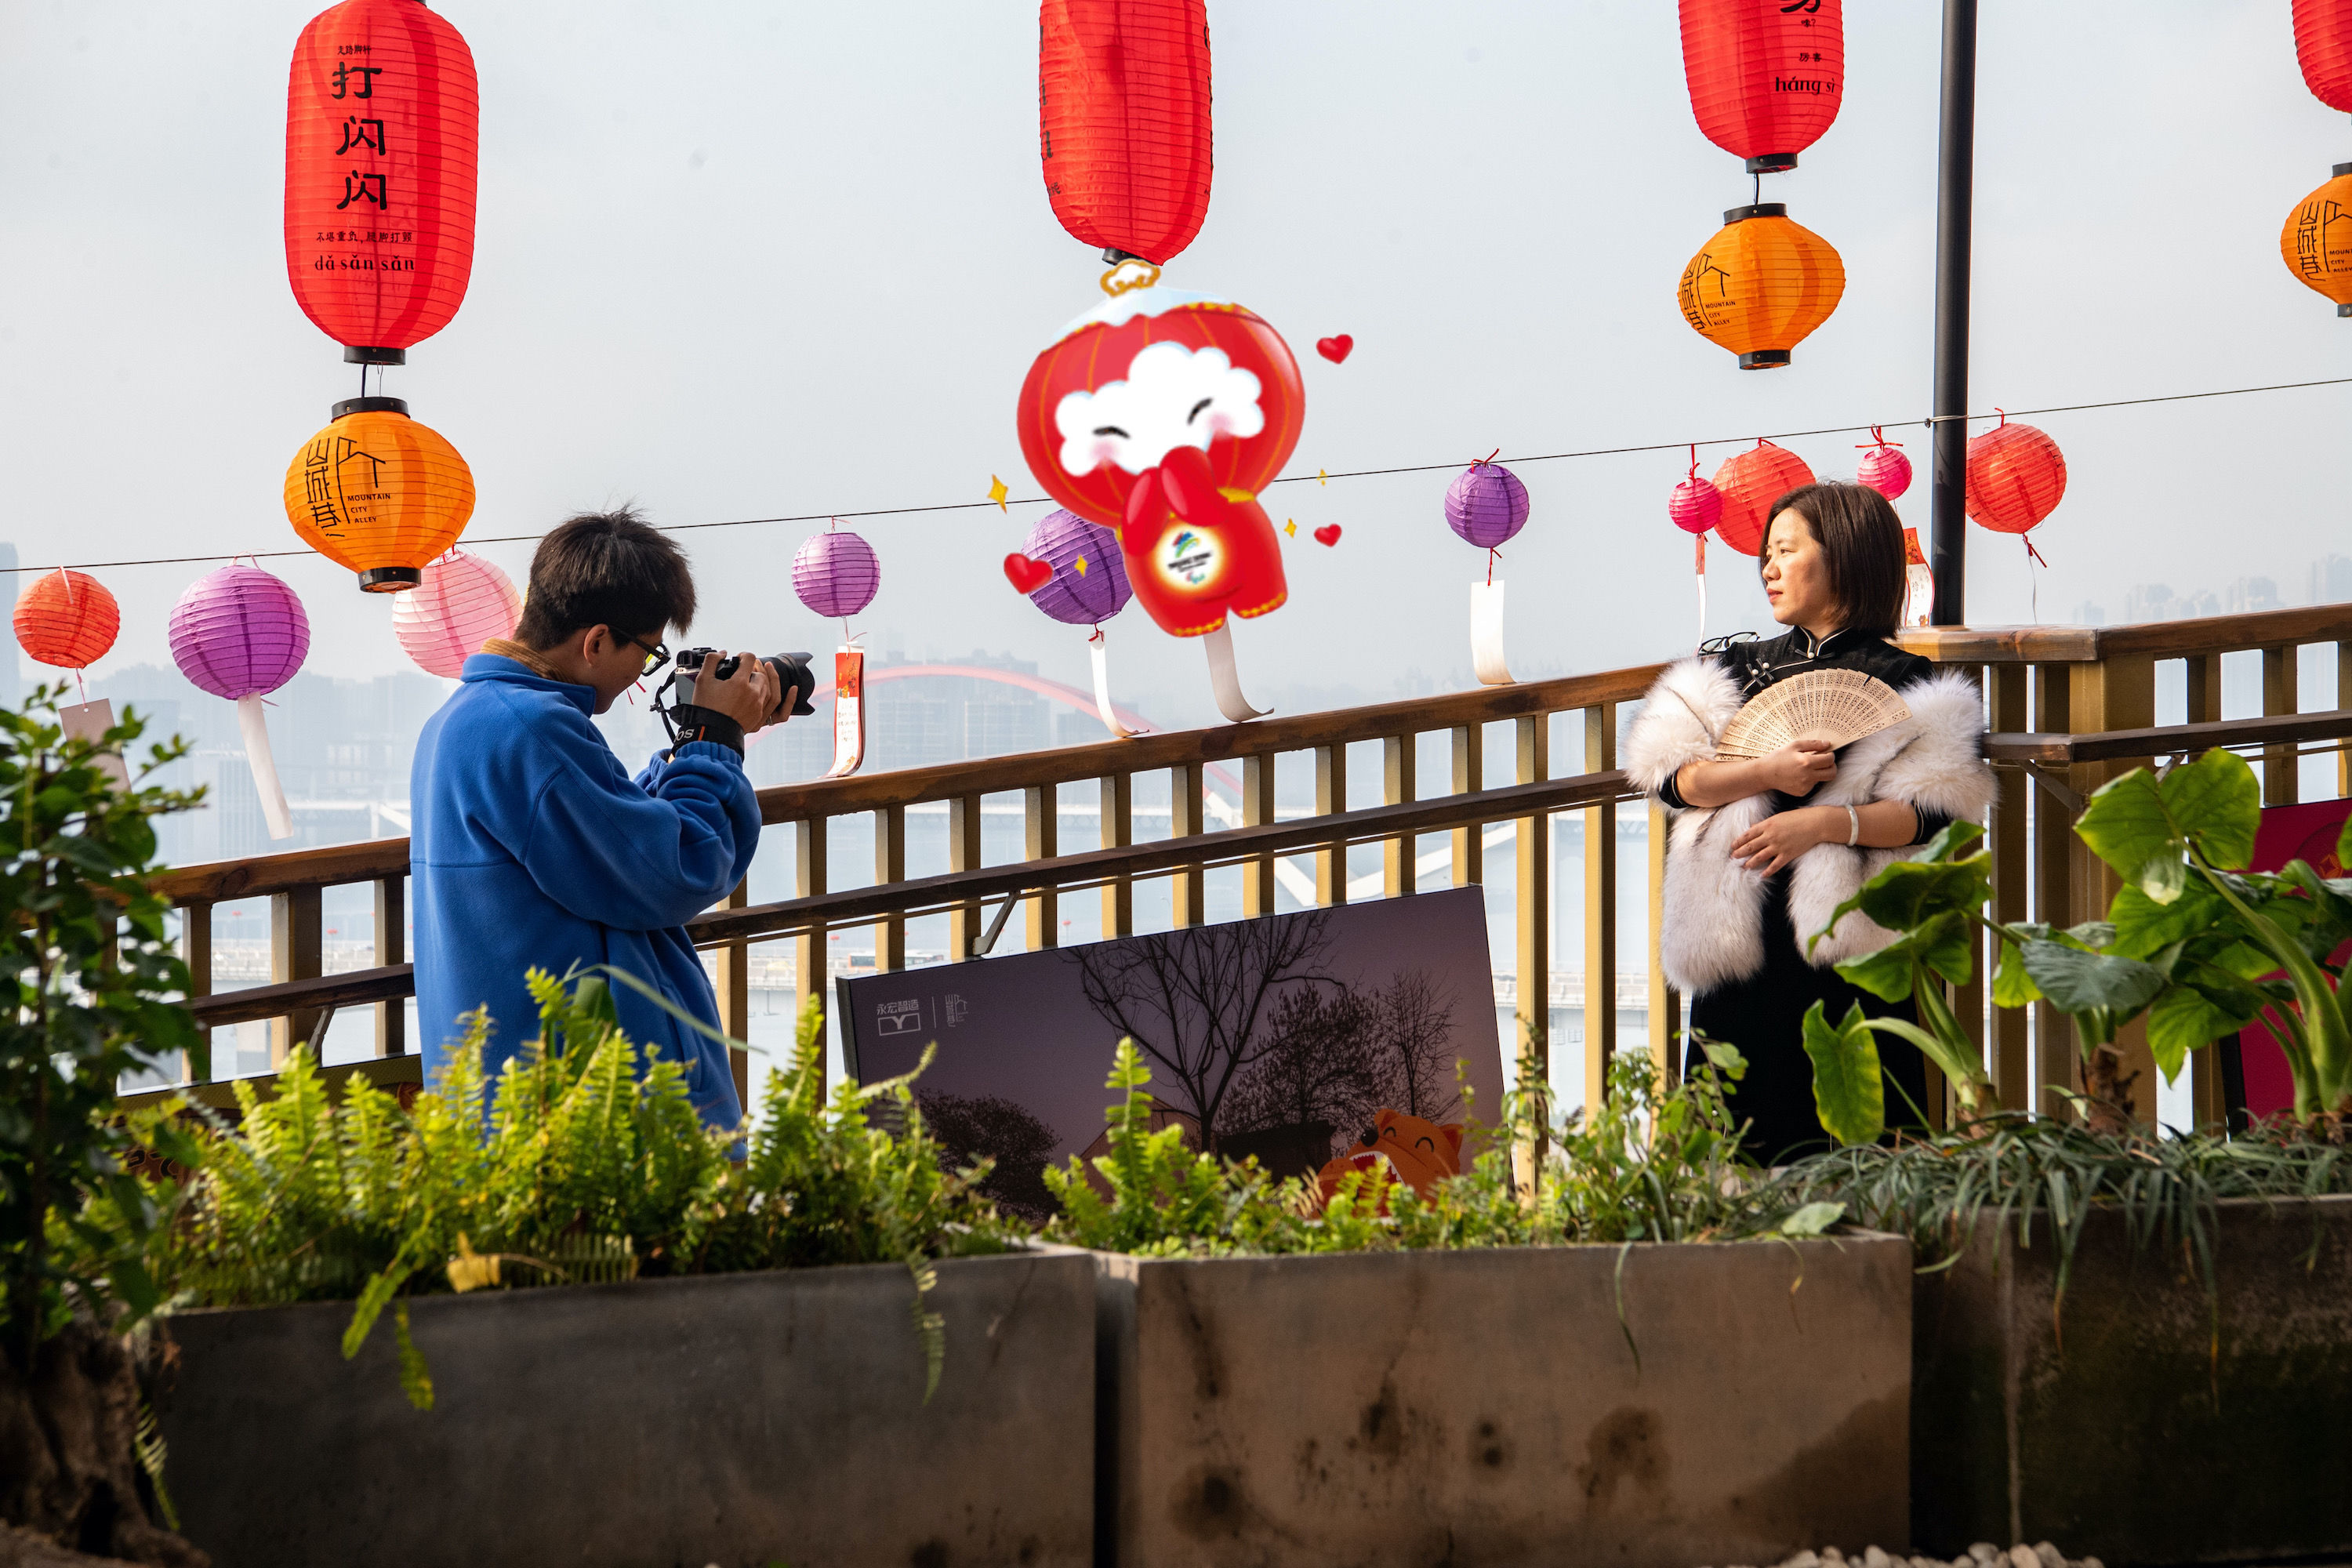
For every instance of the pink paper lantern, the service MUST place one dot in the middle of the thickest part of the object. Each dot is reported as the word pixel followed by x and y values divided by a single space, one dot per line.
pixel 239 632
pixel 462 603
pixel 1883 468
pixel 836 575
pixel 1695 505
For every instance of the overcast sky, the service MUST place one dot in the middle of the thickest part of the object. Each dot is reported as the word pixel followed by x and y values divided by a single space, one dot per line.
pixel 741 260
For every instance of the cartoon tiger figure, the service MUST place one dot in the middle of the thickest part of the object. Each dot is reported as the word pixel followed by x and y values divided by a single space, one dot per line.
pixel 1418 1152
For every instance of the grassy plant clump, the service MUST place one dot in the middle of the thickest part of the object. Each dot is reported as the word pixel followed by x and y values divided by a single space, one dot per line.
pixel 1649 1164
pixel 2047 1178
pixel 573 1167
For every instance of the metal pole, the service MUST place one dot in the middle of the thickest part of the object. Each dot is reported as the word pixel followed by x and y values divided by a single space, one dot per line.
pixel 1956 181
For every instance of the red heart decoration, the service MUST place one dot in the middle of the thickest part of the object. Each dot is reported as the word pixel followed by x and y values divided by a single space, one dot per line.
pixel 1336 349
pixel 1026 574
pixel 1328 534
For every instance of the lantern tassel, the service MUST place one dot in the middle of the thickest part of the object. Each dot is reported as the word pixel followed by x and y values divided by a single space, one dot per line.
pixel 1098 647
pixel 1225 680
pixel 1486 633
pixel 253 726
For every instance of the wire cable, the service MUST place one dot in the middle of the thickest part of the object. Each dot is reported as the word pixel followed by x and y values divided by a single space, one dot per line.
pixel 1930 421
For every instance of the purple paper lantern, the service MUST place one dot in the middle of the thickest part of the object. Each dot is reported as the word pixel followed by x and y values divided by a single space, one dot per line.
pixel 239 632
pixel 1485 504
pixel 1061 539
pixel 836 575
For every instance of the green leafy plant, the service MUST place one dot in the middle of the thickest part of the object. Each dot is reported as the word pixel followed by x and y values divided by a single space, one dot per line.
pixel 576 1165
pixel 94 989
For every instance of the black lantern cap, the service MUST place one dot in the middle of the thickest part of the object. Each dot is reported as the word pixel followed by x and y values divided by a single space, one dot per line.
pixel 1761 209
pixel 356 356
pixel 2341 169
pixel 1771 163
pixel 390 579
pixel 1764 359
pixel 370 406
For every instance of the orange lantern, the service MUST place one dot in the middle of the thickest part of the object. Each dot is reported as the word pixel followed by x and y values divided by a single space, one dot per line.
pixel 1750 482
pixel 67 619
pixel 2316 243
pixel 381 132
pixel 379 493
pixel 1761 285
pixel 2016 477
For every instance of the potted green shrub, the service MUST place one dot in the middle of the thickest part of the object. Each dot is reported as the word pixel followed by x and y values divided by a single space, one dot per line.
pixel 2097 1303
pixel 1485 1373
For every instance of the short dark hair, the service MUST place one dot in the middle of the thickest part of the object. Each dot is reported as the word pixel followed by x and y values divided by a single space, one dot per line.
pixel 605 569
pixel 1857 529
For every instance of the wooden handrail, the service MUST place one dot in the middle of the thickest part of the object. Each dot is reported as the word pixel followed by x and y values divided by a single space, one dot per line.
pixel 2166 740
pixel 352 988
pixel 2185 638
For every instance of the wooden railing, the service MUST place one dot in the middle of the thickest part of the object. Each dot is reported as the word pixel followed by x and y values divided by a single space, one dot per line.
pixel 2069 706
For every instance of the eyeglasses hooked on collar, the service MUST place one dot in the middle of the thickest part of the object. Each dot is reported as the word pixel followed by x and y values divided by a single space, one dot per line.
pixel 655 657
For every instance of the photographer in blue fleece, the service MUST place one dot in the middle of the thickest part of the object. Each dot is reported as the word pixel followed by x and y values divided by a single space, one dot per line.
pixel 533 846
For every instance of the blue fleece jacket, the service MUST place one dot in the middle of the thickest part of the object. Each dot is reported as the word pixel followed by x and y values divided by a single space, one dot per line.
pixel 531 847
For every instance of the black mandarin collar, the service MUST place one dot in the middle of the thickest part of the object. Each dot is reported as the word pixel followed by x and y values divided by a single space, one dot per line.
pixel 1759 664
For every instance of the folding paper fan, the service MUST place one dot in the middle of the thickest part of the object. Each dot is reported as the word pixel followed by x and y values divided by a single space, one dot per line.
pixel 1840 706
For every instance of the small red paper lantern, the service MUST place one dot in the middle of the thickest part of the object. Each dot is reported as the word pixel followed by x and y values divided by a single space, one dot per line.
pixel 381 134
pixel 1696 504
pixel 1123 121
pixel 1883 467
pixel 2323 47
pixel 1751 481
pixel 67 619
pixel 1766 77
pixel 2016 475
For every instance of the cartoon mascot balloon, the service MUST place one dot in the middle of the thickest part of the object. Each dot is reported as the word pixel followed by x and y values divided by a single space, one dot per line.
pixel 1159 415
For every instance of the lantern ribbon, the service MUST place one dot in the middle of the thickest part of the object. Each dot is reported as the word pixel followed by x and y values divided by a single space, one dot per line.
pixel 848 711
pixel 1225 680
pixel 89 722
pixel 1700 567
pixel 1098 645
pixel 255 727
pixel 1486 633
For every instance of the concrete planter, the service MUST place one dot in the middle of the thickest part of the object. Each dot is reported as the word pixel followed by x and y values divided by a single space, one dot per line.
pixel 2115 1428
pixel 1487 1408
pixel 736 1419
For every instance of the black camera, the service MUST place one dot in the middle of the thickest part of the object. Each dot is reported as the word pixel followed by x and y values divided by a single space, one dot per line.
pixel 789 671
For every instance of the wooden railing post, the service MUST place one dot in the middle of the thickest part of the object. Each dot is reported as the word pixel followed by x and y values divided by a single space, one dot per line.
pixel 2210 1105
pixel 1600 908
pixel 297 948
pixel 2342 699
pixel 889 867
pixel 1042 836
pixel 1469 777
pixel 1397 759
pixel 1665 1002
pixel 733 987
pixel 2006 1058
pixel 1532 846
pixel 1330 796
pixel 964 925
pixel 1257 809
pixel 809 848
pixel 2116 691
pixel 197 952
pixel 391 947
pixel 1968 1000
pixel 1117 813
pixel 2280 768
pixel 1187 888
pixel 2054 839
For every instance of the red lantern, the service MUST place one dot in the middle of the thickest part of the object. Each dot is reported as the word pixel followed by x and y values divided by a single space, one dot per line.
pixel 67 619
pixel 1751 481
pixel 1123 121
pixel 2016 475
pixel 2323 47
pixel 1766 77
pixel 381 132
pixel 1161 415
pixel 1882 467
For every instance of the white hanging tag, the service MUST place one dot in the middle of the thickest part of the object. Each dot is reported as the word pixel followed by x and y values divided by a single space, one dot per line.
pixel 1486 633
pixel 1098 645
pixel 848 711
pixel 91 721
pixel 255 727
pixel 1225 680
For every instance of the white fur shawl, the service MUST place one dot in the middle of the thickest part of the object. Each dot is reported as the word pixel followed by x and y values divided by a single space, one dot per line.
pixel 1711 929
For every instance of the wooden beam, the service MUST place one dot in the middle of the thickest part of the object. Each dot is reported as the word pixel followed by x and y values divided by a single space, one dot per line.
pixel 391 947
pixel 1469 777
pixel 1600 908
pixel 296 949
pixel 1257 809
pixel 1116 815
pixel 1397 783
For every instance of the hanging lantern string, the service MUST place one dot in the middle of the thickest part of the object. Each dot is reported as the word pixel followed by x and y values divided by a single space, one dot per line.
pixel 1491 553
pixel 1930 421
pixel 1878 438
pixel 1694 446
